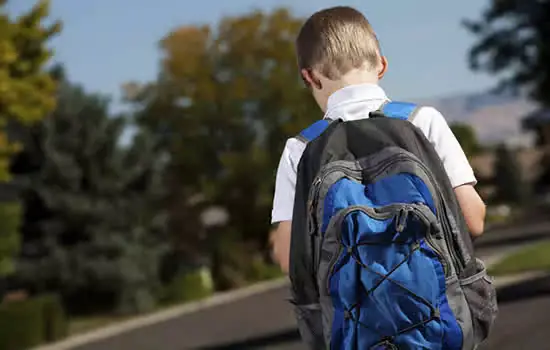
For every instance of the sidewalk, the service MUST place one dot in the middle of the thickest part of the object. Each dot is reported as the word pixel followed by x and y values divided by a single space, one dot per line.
pixel 216 301
pixel 164 315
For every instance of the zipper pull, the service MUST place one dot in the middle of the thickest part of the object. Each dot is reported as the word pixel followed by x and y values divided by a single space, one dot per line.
pixel 311 227
pixel 316 182
pixel 401 220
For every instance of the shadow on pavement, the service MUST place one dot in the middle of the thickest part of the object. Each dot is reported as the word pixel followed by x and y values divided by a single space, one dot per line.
pixel 524 290
pixel 289 336
pixel 515 293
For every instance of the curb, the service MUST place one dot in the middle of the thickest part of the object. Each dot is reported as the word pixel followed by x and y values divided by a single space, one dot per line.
pixel 507 281
pixel 164 315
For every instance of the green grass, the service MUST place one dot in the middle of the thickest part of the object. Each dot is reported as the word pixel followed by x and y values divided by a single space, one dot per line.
pixel 85 324
pixel 532 258
pixel 496 219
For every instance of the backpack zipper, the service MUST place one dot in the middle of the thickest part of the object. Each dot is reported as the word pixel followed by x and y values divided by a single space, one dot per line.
pixel 457 261
pixel 430 237
pixel 316 188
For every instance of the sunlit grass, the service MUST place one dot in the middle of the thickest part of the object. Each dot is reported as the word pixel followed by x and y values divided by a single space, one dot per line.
pixel 532 258
pixel 86 324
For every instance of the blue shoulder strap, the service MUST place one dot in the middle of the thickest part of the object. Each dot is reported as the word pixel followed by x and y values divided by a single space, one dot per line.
pixel 399 110
pixel 313 131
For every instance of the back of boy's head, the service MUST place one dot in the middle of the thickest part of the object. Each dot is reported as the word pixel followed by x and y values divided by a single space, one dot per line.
pixel 336 40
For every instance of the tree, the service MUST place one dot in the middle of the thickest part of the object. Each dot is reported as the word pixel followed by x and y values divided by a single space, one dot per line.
pixel 222 107
pixel 510 187
pixel 542 183
pixel 467 138
pixel 514 38
pixel 94 227
pixel 27 94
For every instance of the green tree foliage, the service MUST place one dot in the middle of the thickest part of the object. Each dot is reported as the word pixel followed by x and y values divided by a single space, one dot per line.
pixel 542 183
pixel 514 42
pixel 27 94
pixel 226 100
pixel 510 187
pixel 467 138
pixel 93 224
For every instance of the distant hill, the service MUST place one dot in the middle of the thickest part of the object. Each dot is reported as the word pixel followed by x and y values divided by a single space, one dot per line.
pixel 496 118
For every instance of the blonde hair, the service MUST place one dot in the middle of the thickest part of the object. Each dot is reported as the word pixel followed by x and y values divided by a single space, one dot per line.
pixel 337 40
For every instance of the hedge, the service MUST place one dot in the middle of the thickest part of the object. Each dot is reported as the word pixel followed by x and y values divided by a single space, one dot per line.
pixel 56 324
pixel 28 323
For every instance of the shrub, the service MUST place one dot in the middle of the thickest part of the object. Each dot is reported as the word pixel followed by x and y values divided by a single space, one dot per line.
pixel 28 323
pixel 21 325
pixel 55 319
pixel 187 287
pixel 262 271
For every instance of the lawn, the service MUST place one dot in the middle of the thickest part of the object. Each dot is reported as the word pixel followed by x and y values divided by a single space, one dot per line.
pixel 85 324
pixel 531 258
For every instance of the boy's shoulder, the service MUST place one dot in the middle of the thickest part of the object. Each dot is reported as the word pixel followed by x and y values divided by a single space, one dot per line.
pixel 427 118
pixel 412 111
pixel 292 152
pixel 430 120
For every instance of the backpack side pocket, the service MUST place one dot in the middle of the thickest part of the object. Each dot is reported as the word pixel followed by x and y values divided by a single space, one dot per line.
pixel 481 297
pixel 310 325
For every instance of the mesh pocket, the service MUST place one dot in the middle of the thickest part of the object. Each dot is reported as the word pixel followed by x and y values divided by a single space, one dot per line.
pixel 481 296
pixel 310 325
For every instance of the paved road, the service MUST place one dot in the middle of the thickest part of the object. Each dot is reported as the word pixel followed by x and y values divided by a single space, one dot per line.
pixel 523 323
pixel 266 313
pixel 265 321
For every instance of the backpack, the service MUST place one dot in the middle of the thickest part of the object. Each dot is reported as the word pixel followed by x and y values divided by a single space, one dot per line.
pixel 381 257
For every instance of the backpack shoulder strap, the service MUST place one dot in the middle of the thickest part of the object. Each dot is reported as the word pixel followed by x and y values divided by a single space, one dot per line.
pixel 391 109
pixel 313 131
pixel 398 110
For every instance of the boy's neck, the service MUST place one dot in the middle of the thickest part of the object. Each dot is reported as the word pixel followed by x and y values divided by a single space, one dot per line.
pixel 353 77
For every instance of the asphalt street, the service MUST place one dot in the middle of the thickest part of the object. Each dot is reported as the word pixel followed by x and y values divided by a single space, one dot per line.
pixel 265 321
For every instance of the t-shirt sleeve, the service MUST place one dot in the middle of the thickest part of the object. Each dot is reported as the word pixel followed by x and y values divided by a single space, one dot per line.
pixel 285 187
pixel 438 132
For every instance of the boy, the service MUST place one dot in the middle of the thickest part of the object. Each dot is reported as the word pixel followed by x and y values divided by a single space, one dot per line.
pixel 341 63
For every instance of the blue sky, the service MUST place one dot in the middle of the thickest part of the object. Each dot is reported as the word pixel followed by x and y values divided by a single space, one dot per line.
pixel 108 42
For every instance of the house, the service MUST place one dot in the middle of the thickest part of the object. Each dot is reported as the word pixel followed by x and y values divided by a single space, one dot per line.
pixel 484 166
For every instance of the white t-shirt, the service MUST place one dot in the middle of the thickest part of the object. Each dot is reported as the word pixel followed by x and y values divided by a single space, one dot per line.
pixel 356 102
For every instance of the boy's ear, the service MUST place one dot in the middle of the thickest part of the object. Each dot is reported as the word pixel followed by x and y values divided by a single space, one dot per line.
pixel 308 75
pixel 383 67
